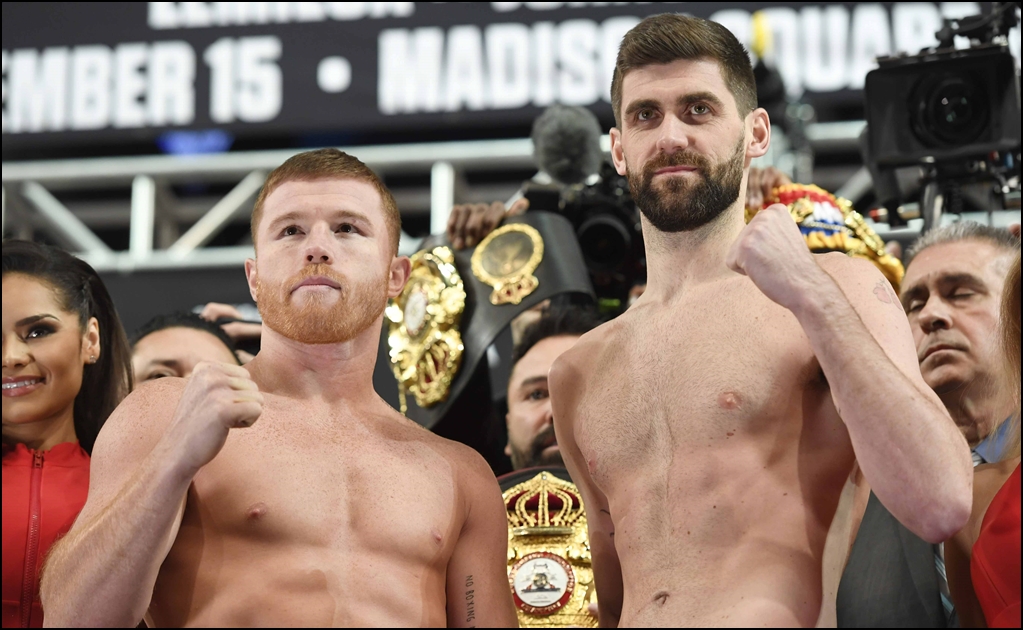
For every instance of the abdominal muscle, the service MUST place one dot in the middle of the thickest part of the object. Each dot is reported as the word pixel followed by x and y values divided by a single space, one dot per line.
pixel 245 583
pixel 735 544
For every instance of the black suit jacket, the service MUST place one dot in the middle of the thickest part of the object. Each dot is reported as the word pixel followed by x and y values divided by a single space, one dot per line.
pixel 890 580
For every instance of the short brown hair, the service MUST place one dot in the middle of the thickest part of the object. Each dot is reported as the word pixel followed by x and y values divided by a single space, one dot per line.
pixel 328 164
pixel 668 37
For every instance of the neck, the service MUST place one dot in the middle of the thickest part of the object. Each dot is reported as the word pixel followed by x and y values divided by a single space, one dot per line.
pixel 42 435
pixel 333 372
pixel 677 260
pixel 978 408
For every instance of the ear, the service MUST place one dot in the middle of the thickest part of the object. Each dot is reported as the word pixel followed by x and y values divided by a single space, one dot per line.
pixel 90 341
pixel 617 151
pixel 252 279
pixel 760 132
pixel 401 267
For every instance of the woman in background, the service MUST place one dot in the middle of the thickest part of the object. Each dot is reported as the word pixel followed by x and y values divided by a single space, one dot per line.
pixel 66 365
pixel 983 560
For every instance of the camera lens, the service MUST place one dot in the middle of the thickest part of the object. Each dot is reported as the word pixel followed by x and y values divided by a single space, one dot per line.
pixel 953 111
pixel 605 242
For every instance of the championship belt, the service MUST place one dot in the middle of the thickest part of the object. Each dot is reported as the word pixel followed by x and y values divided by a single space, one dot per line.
pixel 424 340
pixel 506 260
pixel 456 302
pixel 549 563
pixel 830 223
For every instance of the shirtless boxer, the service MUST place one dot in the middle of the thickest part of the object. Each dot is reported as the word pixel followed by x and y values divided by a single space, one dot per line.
pixel 287 493
pixel 713 426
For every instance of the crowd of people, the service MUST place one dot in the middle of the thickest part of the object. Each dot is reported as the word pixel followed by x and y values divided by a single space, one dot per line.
pixel 764 437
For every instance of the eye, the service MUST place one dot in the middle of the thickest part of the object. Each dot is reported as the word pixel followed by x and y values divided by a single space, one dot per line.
pixel 37 332
pixel 700 109
pixel 156 375
pixel 962 293
pixel 644 114
pixel 537 394
pixel 347 228
pixel 914 306
pixel 291 230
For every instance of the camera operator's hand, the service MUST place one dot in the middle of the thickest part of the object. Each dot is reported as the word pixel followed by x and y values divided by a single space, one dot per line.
pixel 471 222
pixel 215 311
pixel 760 184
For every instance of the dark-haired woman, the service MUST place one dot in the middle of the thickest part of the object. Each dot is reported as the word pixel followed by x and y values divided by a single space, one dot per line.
pixel 66 365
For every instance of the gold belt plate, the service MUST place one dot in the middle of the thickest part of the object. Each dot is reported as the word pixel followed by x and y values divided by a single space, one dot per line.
pixel 549 561
pixel 423 336
pixel 506 260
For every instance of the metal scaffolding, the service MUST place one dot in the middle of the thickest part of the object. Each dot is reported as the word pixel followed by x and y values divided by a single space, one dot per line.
pixel 29 188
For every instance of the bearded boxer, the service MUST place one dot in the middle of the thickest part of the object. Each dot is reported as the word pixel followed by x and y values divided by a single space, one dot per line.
pixel 287 493
pixel 712 428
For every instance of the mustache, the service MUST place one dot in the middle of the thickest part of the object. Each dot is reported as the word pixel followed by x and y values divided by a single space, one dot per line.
pixel 317 269
pixel 679 158
pixel 542 440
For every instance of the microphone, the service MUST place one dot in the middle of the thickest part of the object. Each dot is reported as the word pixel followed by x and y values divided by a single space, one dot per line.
pixel 566 144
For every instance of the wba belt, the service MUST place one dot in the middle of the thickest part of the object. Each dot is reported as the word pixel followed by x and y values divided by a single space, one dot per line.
pixel 456 302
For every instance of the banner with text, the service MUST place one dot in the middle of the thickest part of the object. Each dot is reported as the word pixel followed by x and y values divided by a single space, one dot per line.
pixel 92 74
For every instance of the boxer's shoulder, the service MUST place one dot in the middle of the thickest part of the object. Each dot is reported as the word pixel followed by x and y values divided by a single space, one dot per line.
pixel 149 403
pixel 463 459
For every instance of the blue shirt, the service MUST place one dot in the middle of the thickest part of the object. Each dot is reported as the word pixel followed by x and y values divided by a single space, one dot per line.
pixel 990 448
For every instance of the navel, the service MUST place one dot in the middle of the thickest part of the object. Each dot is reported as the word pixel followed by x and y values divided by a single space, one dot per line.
pixel 256 511
pixel 729 400
pixel 661 597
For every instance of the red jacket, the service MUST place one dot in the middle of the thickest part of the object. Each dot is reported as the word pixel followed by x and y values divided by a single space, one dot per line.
pixel 43 492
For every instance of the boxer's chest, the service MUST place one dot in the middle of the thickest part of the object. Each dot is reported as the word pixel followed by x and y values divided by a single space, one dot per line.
pixel 698 382
pixel 330 487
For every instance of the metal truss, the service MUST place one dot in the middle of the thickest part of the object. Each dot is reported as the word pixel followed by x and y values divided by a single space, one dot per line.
pixel 29 186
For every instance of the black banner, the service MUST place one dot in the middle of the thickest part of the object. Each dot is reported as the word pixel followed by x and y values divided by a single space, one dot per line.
pixel 91 74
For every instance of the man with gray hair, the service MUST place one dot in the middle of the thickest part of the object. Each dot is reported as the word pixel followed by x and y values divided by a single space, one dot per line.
pixel 951 292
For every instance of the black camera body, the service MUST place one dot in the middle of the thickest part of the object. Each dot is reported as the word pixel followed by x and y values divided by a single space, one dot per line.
pixel 607 227
pixel 941 107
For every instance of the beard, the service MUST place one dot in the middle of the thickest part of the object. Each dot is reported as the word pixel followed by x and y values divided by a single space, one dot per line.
pixel 321 319
pixel 535 455
pixel 682 205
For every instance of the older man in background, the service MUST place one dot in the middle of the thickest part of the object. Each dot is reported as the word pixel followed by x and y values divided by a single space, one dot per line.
pixel 951 293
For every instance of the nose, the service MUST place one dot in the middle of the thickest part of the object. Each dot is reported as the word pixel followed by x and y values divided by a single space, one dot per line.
pixel 935 315
pixel 317 247
pixel 16 354
pixel 674 135
pixel 548 414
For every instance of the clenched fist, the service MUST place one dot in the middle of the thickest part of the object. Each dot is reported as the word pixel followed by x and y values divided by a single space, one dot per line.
pixel 218 397
pixel 772 252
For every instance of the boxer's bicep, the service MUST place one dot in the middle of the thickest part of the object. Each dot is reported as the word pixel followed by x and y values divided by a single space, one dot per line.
pixel 477 574
pixel 124 442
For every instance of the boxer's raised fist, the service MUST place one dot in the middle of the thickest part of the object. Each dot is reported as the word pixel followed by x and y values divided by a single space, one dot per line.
pixel 218 397
pixel 772 252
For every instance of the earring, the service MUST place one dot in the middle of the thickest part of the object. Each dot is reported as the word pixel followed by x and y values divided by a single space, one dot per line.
pixel 92 359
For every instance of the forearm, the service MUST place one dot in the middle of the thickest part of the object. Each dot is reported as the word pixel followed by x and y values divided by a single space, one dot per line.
pixel 910 451
pixel 103 572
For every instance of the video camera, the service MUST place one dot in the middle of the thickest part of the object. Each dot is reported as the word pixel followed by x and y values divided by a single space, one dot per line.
pixel 607 226
pixel 953 113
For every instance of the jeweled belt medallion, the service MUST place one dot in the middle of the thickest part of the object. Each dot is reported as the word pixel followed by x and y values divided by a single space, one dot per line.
pixel 506 260
pixel 549 562
pixel 424 339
